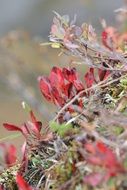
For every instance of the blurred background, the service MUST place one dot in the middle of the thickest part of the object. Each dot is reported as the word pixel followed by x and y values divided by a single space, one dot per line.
pixel 24 24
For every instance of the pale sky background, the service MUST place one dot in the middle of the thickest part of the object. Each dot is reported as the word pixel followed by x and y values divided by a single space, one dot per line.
pixel 35 16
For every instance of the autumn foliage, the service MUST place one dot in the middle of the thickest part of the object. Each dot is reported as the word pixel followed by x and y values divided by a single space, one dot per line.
pixel 84 146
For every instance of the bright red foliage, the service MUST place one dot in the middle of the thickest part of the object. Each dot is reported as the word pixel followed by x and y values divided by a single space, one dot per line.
pixel 61 85
pixel 103 74
pixel 22 184
pixel 101 155
pixel 89 78
pixel 113 40
pixel 11 127
pixel 26 128
pixel 109 38
pixel 9 154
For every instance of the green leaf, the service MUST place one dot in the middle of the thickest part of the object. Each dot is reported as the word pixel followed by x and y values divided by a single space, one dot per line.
pixel 60 129
pixel 124 81
pixel 118 130
pixel 111 182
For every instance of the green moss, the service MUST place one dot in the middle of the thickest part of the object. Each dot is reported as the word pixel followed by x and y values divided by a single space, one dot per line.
pixel 62 129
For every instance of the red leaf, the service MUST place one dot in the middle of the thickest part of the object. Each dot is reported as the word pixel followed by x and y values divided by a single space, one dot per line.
pixel 89 78
pixel 70 75
pixel 109 38
pixel 101 155
pixel 24 130
pixel 57 98
pixel 90 148
pixel 101 147
pixel 105 40
pixel 22 184
pixel 25 158
pixel 10 155
pixel 68 92
pixel 36 125
pixel 56 78
pixel 78 85
pixel 109 157
pixel 11 127
pixel 103 74
pixel 45 87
